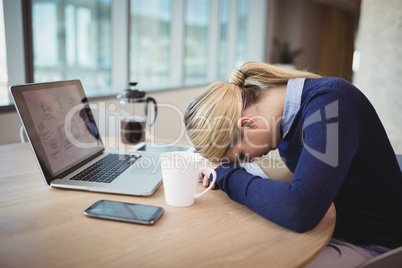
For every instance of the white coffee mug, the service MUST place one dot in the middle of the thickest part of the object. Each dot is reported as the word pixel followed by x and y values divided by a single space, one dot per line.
pixel 181 172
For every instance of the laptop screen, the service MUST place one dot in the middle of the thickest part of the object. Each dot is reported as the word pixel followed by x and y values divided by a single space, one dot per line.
pixel 59 124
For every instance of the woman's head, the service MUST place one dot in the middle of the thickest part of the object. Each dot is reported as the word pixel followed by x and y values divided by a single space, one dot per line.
pixel 211 119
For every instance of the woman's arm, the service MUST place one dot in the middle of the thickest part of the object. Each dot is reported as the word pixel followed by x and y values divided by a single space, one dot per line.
pixel 330 144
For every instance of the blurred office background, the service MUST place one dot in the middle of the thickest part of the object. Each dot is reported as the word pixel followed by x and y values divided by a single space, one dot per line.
pixel 174 48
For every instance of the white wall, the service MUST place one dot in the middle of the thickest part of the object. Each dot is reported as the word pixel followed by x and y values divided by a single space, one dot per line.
pixel 10 128
pixel 380 70
pixel 168 125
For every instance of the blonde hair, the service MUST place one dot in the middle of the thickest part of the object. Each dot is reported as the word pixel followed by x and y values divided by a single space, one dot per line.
pixel 211 118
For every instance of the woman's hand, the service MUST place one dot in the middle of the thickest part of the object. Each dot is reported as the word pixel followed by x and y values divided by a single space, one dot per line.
pixel 205 179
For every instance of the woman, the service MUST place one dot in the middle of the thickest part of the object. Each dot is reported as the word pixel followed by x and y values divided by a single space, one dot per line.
pixel 328 135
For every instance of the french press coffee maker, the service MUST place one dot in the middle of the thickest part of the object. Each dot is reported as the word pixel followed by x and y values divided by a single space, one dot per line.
pixel 134 108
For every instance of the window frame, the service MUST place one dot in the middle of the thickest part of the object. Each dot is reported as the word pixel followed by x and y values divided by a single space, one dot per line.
pixel 18 31
pixel 13 26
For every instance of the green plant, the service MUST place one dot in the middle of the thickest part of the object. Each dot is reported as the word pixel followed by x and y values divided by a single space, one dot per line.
pixel 286 55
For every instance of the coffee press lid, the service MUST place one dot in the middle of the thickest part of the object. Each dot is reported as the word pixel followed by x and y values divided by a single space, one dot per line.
pixel 131 95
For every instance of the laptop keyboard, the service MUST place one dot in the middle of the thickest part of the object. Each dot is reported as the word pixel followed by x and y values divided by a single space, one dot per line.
pixel 106 169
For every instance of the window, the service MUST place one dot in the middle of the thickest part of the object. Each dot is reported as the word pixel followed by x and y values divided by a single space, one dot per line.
pixel 241 53
pixel 197 19
pixel 71 39
pixel 3 61
pixel 223 38
pixel 175 43
pixel 150 42
pixel 107 43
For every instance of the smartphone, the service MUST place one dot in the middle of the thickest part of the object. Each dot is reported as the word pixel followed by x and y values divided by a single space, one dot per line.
pixel 127 212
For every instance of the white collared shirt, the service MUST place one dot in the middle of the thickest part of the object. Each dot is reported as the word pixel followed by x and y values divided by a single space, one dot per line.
pixel 294 92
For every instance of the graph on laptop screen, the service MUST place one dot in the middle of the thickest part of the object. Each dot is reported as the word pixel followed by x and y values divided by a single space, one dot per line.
pixel 64 125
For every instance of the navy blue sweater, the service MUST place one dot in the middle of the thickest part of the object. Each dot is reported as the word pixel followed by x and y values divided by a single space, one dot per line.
pixel 339 152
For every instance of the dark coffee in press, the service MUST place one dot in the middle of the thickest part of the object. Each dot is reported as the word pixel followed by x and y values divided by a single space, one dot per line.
pixel 133 131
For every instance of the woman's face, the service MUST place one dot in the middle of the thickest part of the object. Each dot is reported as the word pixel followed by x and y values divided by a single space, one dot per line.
pixel 260 127
pixel 257 140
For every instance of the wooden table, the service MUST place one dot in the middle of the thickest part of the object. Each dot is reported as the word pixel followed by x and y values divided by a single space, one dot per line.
pixel 42 226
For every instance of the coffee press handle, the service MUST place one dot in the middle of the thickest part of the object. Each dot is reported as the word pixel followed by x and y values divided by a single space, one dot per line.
pixel 149 99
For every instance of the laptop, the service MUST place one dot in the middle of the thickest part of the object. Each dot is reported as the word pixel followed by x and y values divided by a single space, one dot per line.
pixel 65 140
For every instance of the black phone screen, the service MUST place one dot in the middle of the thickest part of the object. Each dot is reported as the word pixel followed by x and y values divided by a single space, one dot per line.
pixel 128 212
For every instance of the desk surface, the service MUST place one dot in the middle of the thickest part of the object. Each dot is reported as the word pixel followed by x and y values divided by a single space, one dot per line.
pixel 42 226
